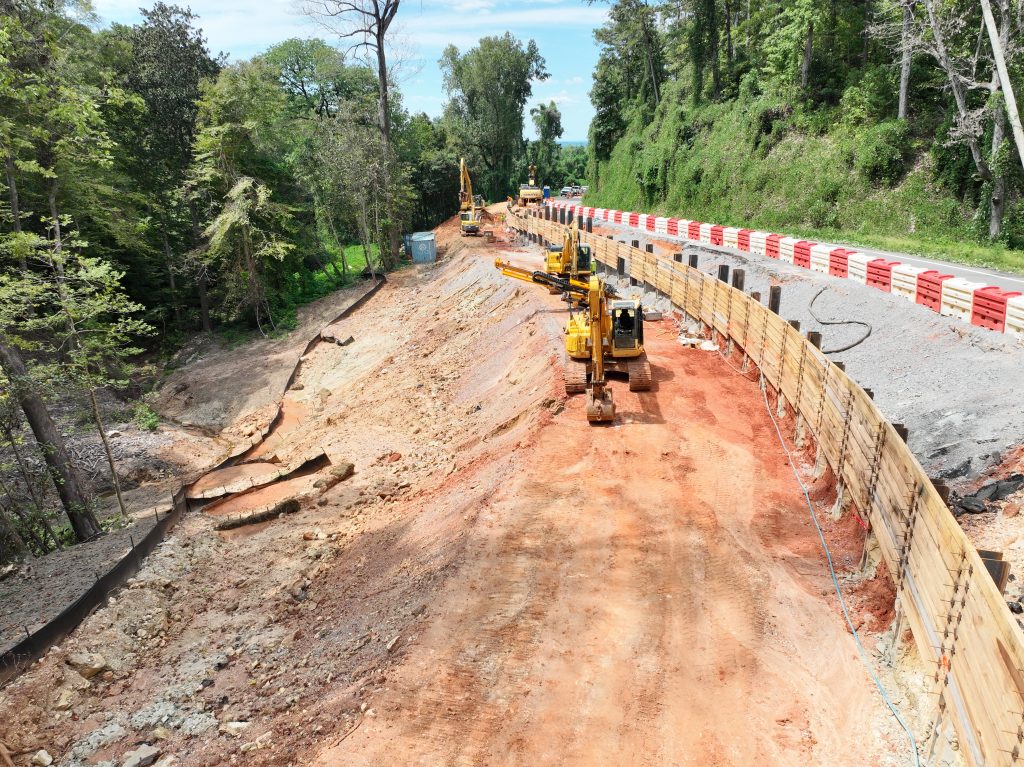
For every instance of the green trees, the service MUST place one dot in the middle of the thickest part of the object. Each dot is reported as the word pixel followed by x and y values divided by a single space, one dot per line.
pixel 548 122
pixel 674 77
pixel 488 87
pixel 146 183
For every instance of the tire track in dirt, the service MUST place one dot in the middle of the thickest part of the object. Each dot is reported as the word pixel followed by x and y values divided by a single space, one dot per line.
pixel 619 604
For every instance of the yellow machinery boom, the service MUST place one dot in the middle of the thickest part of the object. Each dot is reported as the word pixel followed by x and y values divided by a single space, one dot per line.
pixel 604 334
pixel 470 206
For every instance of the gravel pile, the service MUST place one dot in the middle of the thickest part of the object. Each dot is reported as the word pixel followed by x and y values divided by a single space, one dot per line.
pixel 955 386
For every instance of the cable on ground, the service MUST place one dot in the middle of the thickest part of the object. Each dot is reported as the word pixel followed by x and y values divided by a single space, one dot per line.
pixel 835 584
pixel 865 325
pixel 831 567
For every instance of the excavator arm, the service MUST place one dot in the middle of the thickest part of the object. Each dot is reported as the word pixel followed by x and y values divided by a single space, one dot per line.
pixel 570 286
pixel 465 186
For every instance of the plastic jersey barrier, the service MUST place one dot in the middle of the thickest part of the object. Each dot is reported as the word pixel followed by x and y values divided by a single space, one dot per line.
pixel 1015 316
pixel 693 230
pixel 672 227
pixel 771 245
pixel 929 288
pixel 743 240
pixel 879 274
pixel 839 262
pixel 705 233
pixel 958 298
pixel 786 247
pixel 820 258
pixel 989 307
pixel 904 281
pixel 802 253
pixel 717 235
pixel 857 267
pixel 730 237
pixel 759 243
pixel 633 219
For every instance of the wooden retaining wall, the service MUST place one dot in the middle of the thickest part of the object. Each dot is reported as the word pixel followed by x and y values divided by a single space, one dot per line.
pixel 961 625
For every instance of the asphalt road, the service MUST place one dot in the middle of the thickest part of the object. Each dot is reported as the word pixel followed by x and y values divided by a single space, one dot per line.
pixel 1000 279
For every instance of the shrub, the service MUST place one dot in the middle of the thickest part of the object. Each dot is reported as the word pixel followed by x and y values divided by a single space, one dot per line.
pixel 881 152
pixel 145 417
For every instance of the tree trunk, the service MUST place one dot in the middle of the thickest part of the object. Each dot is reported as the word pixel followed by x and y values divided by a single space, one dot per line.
pixel 204 301
pixel 12 194
pixel 728 32
pixel 202 281
pixel 908 55
pixel 65 475
pixel 867 32
pixel 716 75
pixel 106 448
pixel 805 64
pixel 1000 39
pixel 393 235
pixel 957 87
pixel 9 533
pixel 169 262
pixel 23 469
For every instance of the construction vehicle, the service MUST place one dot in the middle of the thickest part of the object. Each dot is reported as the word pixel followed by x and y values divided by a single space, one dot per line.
pixel 571 260
pixel 471 206
pixel 605 334
pixel 530 193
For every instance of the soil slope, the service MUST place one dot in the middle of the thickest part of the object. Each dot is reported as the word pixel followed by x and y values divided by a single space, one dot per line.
pixel 498 582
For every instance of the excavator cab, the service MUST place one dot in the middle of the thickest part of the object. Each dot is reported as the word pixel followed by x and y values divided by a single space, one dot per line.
pixel 583 259
pixel 627 325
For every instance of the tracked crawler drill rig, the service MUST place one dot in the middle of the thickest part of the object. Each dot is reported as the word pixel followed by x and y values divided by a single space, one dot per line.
pixel 604 334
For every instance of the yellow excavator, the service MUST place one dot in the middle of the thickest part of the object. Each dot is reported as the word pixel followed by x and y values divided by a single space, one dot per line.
pixel 572 259
pixel 531 193
pixel 605 334
pixel 470 206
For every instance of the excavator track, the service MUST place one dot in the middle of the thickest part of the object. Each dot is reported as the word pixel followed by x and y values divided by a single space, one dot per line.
pixel 574 374
pixel 639 371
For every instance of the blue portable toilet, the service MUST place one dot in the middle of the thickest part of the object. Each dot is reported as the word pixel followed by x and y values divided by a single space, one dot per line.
pixel 547 192
pixel 424 247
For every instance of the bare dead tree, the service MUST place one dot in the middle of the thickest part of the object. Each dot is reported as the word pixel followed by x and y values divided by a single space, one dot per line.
pixel 363 25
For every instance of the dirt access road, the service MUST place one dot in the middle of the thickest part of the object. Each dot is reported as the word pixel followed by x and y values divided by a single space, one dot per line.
pixel 499 583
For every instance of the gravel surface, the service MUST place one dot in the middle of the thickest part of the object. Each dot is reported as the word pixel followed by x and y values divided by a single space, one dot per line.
pixel 955 386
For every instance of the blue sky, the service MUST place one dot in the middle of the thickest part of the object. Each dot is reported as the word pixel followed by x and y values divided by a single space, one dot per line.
pixel 562 28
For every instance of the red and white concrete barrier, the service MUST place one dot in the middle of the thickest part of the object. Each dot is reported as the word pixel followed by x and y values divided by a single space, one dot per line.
pixel 974 302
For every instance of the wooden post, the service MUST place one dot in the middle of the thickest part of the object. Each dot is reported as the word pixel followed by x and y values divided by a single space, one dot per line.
pixel 693 260
pixel 677 257
pixel 774 298
pixel 723 273
pixel 738 277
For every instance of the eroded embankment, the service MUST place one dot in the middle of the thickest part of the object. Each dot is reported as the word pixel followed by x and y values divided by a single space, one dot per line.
pixel 498 582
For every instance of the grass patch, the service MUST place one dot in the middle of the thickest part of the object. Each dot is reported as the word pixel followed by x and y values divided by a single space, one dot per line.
pixel 775 166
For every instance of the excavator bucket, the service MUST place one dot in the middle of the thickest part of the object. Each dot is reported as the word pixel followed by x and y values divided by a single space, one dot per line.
pixel 600 407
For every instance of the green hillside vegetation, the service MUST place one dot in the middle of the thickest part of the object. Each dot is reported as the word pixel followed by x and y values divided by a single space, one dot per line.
pixel 827 159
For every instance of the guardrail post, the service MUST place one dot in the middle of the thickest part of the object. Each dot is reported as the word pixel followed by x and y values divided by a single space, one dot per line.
pixel 747 356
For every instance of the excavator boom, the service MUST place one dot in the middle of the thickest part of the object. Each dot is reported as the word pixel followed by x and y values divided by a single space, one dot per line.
pixel 570 286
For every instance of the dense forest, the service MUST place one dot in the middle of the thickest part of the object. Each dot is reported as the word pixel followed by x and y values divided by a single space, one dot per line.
pixel 153 190
pixel 879 120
